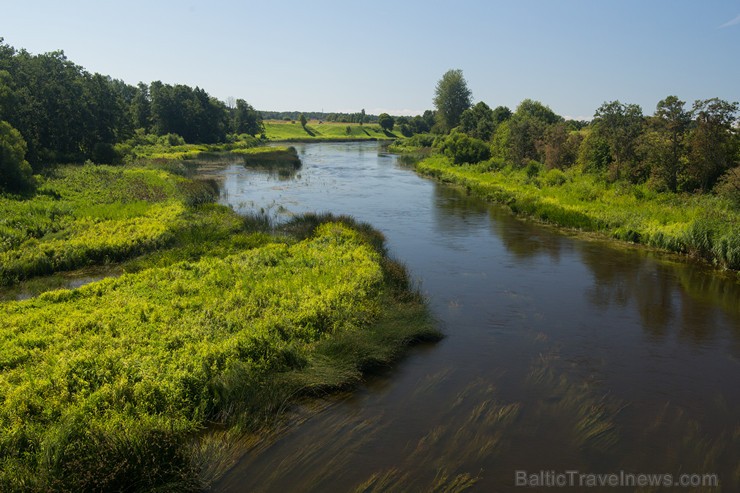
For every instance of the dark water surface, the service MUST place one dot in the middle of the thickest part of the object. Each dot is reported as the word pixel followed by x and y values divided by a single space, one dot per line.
pixel 561 353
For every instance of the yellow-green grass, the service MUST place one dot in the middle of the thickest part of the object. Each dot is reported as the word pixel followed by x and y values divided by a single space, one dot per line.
pixel 704 226
pixel 279 130
pixel 104 387
pixel 83 215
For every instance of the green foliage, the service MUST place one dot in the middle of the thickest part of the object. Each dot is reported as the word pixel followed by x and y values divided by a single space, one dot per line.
pixel 247 120
pixel 478 121
pixel 15 172
pixel 713 143
pixel 451 98
pixel 386 121
pixel 594 154
pixel 303 120
pixel 620 125
pixel 554 177
pixel 729 186
pixel 464 149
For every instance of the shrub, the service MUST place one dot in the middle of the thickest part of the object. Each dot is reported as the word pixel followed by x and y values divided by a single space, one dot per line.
pixel 729 186
pixel 554 178
pixel 464 149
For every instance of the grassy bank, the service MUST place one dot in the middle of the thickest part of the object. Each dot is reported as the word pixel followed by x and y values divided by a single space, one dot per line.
pixel 702 226
pixel 287 131
pixel 222 322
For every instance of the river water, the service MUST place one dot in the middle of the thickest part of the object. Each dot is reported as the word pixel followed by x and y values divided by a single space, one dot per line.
pixel 562 353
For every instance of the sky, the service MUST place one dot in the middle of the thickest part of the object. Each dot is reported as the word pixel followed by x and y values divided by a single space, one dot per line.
pixel 387 56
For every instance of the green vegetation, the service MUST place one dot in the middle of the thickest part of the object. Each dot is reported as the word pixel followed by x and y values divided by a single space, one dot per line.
pixel 110 386
pixel 15 172
pixel 91 214
pixel 699 225
pixel 315 131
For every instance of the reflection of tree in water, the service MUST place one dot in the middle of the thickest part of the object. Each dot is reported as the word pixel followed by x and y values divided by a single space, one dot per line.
pixel 696 303
pixel 454 207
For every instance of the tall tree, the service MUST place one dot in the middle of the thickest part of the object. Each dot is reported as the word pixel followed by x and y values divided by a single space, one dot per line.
pixel 526 131
pixel 665 140
pixel 451 98
pixel 713 142
pixel 620 125
pixel 247 120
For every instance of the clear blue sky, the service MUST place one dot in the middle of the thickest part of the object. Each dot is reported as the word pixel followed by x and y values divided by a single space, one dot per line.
pixel 388 55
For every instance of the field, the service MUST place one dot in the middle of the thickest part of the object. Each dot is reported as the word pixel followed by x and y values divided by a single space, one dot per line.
pixel 293 132
pixel 702 226
pixel 217 321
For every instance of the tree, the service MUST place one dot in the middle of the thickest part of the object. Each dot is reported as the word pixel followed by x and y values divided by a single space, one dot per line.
pixel 478 121
pixel 713 143
pixel 560 146
pixel 452 97
pixel 386 122
pixel 247 120
pixel 620 125
pixel 527 127
pixel 362 116
pixel 15 172
pixel 664 141
pixel 501 114
pixel 303 120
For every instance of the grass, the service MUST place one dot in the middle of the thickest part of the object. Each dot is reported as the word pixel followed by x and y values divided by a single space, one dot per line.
pixel 702 226
pixel 221 321
pixel 270 157
pixel 278 130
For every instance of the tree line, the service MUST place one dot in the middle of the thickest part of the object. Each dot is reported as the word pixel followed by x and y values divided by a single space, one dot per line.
pixel 677 148
pixel 64 113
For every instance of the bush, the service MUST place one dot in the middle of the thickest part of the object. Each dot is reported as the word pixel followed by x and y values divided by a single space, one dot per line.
pixel 729 186
pixel 464 149
pixel 421 140
pixel 171 140
pixel 554 178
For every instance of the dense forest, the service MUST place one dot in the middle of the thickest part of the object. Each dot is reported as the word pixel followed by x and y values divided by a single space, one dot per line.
pixel 66 114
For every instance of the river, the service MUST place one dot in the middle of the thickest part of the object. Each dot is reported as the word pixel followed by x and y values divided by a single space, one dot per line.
pixel 562 352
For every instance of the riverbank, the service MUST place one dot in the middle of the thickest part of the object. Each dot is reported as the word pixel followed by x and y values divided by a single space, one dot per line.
pixel 220 321
pixel 700 226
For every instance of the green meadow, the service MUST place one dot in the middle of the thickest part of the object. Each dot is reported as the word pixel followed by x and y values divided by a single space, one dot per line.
pixel 217 322
pixel 700 225
pixel 288 131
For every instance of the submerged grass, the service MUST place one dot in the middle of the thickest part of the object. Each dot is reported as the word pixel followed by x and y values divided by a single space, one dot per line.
pixel 701 226
pixel 223 321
